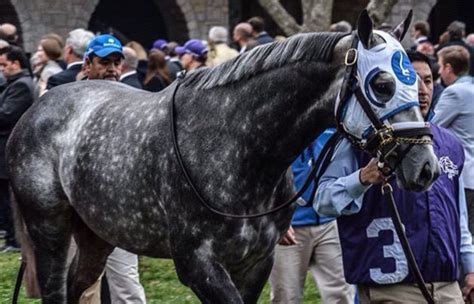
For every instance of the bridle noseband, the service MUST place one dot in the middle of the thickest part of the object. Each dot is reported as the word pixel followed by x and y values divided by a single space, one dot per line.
pixel 383 139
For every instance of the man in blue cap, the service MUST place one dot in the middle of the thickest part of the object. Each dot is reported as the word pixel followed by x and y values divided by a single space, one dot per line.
pixel 103 58
pixel 193 54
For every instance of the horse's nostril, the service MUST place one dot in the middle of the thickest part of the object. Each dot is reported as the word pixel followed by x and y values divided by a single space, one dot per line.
pixel 426 174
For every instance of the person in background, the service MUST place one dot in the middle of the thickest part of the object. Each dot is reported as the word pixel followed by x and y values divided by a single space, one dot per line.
pixel 193 54
pixel 311 244
pixel 142 59
pixel 342 26
pixel 3 80
pixel 258 30
pixel 174 64
pixel 456 33
pixel 243 36
pixel 60 41
pixel 435 221
pixel 8 32
pixel 16 98
pixel 48 53
pixel 160 44
pixel 173 60
pixel 219 51
pixel 419 33
pixel 470 40
pixel 129 68
pixel 157 75
pixel 455 111
pixel 74 49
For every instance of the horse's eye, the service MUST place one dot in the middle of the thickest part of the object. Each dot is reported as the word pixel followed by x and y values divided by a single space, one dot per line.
pixel 383 86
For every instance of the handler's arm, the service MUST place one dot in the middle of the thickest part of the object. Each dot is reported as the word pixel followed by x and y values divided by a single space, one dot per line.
pixel 340 191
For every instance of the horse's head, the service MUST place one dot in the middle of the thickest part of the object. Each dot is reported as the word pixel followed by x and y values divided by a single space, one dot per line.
pixel 378 107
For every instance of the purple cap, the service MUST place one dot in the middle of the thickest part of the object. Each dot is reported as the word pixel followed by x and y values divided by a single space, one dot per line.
pixel 160 44
pixel 193 46
pixel 104 45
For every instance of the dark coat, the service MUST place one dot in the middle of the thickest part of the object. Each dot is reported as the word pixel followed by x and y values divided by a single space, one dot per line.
pixel 14 101
pixel 174 67
pixel 66 76
pixel 132 80
pixel 263 38
pixel 155 84
pixel 141 70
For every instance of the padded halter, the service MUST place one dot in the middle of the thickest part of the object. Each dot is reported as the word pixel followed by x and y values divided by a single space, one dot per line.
pixel 381 139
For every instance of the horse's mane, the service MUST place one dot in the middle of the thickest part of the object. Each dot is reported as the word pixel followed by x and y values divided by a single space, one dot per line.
pixel 302 47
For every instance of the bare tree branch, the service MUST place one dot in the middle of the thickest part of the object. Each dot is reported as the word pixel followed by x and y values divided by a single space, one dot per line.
pixel 318 16
pixel 284 20
pixel 380 9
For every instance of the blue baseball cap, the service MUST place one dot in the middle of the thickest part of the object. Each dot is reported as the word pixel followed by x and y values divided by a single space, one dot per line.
pixel 193 47
pixel 160 44
pixel 104 45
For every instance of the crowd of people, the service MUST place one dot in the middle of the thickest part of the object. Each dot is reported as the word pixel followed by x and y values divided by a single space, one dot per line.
pixel 322 234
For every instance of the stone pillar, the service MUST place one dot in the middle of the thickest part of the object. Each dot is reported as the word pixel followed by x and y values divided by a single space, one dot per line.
pixel 40 17
pixel 421 11
pixel 201 15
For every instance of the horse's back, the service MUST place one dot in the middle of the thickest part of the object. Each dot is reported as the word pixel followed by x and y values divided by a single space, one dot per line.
pixel 92 145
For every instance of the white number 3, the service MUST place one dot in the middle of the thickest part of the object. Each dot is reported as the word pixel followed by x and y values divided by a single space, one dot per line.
pixel 394 251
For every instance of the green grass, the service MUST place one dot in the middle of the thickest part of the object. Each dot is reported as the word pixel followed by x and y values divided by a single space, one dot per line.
pixel 157 276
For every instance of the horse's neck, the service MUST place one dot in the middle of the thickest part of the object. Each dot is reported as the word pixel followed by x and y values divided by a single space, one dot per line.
pixel 289 108
pixel 243 136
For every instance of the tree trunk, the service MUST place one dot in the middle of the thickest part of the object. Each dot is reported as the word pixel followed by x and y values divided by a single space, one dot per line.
pixel 316 15
pixel 380 9
pixel 279 14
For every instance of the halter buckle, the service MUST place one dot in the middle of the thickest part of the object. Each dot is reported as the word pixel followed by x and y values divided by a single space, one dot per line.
pixel 353 52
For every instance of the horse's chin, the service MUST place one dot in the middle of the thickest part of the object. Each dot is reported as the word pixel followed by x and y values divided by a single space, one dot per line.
pixel 402 183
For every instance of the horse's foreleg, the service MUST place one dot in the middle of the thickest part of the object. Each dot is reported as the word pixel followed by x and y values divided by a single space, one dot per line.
pixel 88 263
pixel 207 278
pixel 250 282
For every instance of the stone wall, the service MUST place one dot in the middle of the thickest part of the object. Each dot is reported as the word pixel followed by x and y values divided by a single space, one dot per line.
pixel 40 17
pixel 421 11
pixel 201 15
pixel 184 18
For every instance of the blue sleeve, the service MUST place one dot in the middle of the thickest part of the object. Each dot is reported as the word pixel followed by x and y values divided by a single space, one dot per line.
pixel 467 248
pixel 301 167
pixel 340 191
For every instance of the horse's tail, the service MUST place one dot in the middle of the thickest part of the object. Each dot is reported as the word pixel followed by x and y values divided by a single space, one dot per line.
pixel 27 254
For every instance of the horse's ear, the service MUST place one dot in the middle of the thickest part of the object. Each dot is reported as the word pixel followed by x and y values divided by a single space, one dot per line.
pixel 400 30
pixel 365 28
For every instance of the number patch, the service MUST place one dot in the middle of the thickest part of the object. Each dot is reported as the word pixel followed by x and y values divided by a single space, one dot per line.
pixel 393 251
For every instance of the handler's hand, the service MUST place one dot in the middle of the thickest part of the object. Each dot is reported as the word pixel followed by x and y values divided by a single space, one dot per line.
pixel 371 174
pixel 468 290
pixel 289 238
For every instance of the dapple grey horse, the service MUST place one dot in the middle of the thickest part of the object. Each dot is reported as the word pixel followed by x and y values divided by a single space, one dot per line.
pixel 94 160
